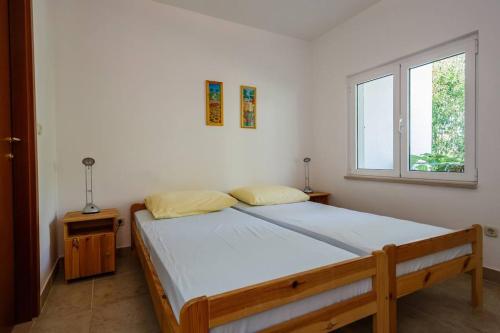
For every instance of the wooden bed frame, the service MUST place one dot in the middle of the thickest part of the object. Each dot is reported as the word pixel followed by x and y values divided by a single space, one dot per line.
pixel 203 313
pixel 409 283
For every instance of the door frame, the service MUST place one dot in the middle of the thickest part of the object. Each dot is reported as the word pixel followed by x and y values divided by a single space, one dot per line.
pixel 25 196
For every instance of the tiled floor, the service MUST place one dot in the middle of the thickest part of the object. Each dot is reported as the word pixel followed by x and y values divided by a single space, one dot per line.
pixel 121 303
pixel 109 303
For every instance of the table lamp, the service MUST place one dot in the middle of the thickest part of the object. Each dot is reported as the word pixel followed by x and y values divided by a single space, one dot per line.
pixel 307 188
pixel 89 208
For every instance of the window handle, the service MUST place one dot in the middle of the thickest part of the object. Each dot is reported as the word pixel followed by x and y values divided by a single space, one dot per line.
pixel 401 125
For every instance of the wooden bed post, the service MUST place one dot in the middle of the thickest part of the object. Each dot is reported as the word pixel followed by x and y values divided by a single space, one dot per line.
pixel 194 316
pixel 381 285
pixel 477 273
pixel 132 230
pixel 390 251
pixel 134 208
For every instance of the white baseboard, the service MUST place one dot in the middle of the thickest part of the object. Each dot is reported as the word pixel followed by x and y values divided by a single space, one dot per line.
pixel 44 291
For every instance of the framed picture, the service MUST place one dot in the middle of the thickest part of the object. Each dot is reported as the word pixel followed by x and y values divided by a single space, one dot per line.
pixel 214 113
pixel 248 109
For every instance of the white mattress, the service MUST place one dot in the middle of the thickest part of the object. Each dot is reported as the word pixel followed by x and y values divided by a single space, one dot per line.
pixel 357 232
pixel 222 251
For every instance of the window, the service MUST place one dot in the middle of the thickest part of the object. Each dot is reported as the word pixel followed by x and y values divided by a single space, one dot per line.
pixel 415 118
pixel 375 123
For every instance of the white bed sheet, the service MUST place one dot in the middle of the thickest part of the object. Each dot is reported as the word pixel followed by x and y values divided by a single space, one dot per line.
pixel 357 232
pixel 222 251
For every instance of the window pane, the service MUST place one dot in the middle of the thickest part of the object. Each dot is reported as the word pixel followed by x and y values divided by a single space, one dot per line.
pixel 375 124
pixel 437 116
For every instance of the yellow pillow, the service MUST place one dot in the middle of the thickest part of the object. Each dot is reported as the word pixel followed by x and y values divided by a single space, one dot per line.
pixel 269 195
pixel 183 203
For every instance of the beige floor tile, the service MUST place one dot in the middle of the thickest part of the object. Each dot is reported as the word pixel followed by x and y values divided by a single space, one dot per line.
pixel 411 320
pixel 126 261
pixel 492 295
pixel 68 298
pixel 450 303
pixel 77 322
pixel 130 315
pixel 118 288
pixel 23 327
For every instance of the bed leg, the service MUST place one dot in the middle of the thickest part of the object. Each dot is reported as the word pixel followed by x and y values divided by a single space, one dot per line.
pixel 393 315
pixel 477 288
pixel 132 236
pixel 381 285
pixel 477 273
pixel 390 251
pixel 194 316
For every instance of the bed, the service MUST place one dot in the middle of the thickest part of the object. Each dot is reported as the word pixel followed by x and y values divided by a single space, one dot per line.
pixel 419 255
pixel 204 274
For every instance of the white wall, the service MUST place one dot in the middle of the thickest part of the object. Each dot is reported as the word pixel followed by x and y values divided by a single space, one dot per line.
pixel 128 89
pixel 384 32
pixel 46 140
pixel 130 79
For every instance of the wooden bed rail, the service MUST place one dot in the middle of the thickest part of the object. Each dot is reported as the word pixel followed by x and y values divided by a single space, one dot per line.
pixel 432 245
pixel 409 283
pixel 163 310
pixel 203 313
pixel 253 299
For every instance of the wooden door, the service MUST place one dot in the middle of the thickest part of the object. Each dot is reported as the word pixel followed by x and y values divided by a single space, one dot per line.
pixel 95 254
pixel 6 211
pixel 89 255
pixel 107 245
pixel 72 258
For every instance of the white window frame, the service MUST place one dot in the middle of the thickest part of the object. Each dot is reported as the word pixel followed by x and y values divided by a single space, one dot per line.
pixel 400 70
pixel 354 81
pixel 464 46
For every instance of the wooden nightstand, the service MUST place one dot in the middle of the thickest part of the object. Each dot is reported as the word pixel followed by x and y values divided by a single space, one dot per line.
pixel 89 243
pixel 319 197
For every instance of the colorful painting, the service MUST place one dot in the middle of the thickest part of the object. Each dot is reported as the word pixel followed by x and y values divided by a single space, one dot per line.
pixel 248 112
pixel 215 105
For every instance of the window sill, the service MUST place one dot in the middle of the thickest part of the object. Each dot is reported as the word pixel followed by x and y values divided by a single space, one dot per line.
pixel 416 181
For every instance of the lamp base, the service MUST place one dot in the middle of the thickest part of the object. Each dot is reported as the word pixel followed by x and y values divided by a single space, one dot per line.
pixel 90 208
pixel 307 190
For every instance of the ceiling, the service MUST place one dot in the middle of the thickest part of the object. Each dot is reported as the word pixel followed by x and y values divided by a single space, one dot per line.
pixel 304 19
